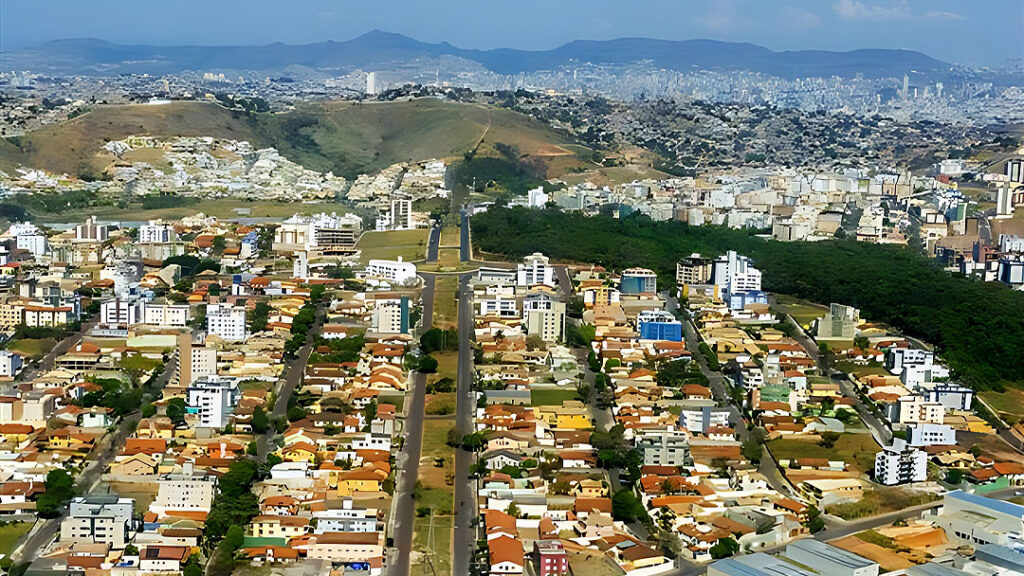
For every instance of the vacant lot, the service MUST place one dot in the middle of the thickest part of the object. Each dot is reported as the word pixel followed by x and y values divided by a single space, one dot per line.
pixel 857 450
pixel 861 370
pixel 409 244
pixel 445 302
pixel 880 501
pixel 435 556
pixel 802 311
pixel 1009 404
pixel 10 534
pixel 552 397
pixel 32 348
pixel 451 236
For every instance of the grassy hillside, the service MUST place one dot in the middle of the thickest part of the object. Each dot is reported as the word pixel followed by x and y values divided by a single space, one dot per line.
pixel 75 146
pixel 344 137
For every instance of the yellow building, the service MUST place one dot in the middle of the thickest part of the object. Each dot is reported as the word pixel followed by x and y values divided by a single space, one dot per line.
pixel 362 480
pixel 277 526
pixel 571 415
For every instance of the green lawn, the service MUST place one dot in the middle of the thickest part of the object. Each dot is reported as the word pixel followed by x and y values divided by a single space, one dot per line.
pixel 439 555
pixel 447 364
pixel 31 347
pixel 857 450
pixel 552 397
pixel 860 370
pixel 450 236
pixel 221 208
pixel 10 534
pixel 397 401
pixel 409 244
pixel 1009 404
pixel 802 311
pixel 445 301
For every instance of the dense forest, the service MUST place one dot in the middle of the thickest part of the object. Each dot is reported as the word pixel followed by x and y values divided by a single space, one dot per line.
pixel 978 327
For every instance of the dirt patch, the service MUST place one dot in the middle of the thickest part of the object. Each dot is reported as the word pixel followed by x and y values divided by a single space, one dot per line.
pixel 887 559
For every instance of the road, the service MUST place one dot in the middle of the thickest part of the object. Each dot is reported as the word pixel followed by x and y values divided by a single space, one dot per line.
pixel 292 377
pixel 47 362
pixel 719 388
pixel 408 460
pixel 466 509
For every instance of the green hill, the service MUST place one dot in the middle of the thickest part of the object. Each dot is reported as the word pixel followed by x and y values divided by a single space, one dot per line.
pixel 344 137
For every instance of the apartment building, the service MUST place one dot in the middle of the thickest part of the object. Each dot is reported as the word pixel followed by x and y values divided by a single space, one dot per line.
pixel 213 398
pixel 227 322
pixel 99 520
pixel 900 464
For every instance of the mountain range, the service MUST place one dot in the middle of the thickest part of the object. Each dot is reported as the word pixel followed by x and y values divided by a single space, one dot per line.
pixel 378 50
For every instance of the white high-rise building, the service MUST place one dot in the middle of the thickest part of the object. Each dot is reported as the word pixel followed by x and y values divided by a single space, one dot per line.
pixel 394 271
pixel 156 231
pixel 372 85
pixel 214 399
pixel 99 520
pixel 900 464
pixel 535 270
pixel 735 274
pixel 227 322
pixel 165 314
pixel 300 266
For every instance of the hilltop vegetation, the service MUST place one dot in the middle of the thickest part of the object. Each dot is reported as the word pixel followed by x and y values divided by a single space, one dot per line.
pixel 344 137
pixel 977 326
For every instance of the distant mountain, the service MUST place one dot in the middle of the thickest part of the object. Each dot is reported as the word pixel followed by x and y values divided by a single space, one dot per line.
pixel 378 50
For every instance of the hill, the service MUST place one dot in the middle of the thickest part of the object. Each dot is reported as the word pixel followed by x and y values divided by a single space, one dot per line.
pixel 380 50
pixel 343 137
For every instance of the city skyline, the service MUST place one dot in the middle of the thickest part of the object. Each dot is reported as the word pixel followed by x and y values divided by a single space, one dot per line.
pixel 939 29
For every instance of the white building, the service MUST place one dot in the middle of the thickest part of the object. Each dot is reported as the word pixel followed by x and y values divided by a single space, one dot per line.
pixel 123 310
pixel 735 273
pixel 391 316
pixel 348 518
pixel 827 559
pixel 28 237
pixel 535 270
pixel 319 232
pixel 227 322
pixel 394 271
pixel 928 434
pixel 918 410
pixel 213 398
pixel 156 232
pixel 900 464
pixel 165 314
pixel 10 364
pixel 548 323
pixel 697 421
pixel 91 231
pixel 99 520
pixel 188 491
pixel 897 358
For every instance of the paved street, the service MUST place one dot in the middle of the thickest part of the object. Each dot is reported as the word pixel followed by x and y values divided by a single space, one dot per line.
pixel 403 508
pixel 465 500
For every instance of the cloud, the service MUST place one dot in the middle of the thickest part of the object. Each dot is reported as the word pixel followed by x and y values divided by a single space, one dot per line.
pixel 724 18
pixel 944 15
pixel 856 10
pixel 802 18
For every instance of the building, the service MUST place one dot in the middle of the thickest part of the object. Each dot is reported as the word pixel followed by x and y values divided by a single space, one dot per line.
pixel 659 325
pixel 10 364
pixel 535 270
pixel 756 564
pixel 900 464
pixel 548 324
pixel 840 323
pixel 398 215
pixel 391 316
pixel 348 518
pixel 972 519
pixel 122 310
pixel 91 231
pixel 227 322
pixel 897 358
pixel 189 491
pixel 322 233
pixel 951 396
pixel 735 273
pixel 638 281
pixel 194 361
pixel 506 556
pixel 99 520
pixel 665 448
pixel 213 398
pixel 827 559
pixel 697 421
pixel 551 558
pixel 394 271
pixel 928 434
pixel 156 232
pixel 917 410
pixel 165 314
pixel 693 270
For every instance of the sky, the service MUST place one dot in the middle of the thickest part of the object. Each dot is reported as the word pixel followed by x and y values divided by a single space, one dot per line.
pixel 970 32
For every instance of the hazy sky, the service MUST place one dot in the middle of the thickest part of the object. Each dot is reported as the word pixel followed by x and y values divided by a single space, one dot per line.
pixel 984 32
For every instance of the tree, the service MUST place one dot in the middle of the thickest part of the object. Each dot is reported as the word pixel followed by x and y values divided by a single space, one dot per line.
pixel 825 357
pixel 814 521
pixel 131 550
pixel 427 365
pixel 60 488
pixel 513 510
pixel 148 410
pixel 473 441
pixel 234 537
pixel 260 422
pixel 666 518
pixel 828 439
pixel 296 413
pixel 954 476
pixel 175 410
pixel 861 342
pixel 192 566
pixel 626 507
pixel 724 548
